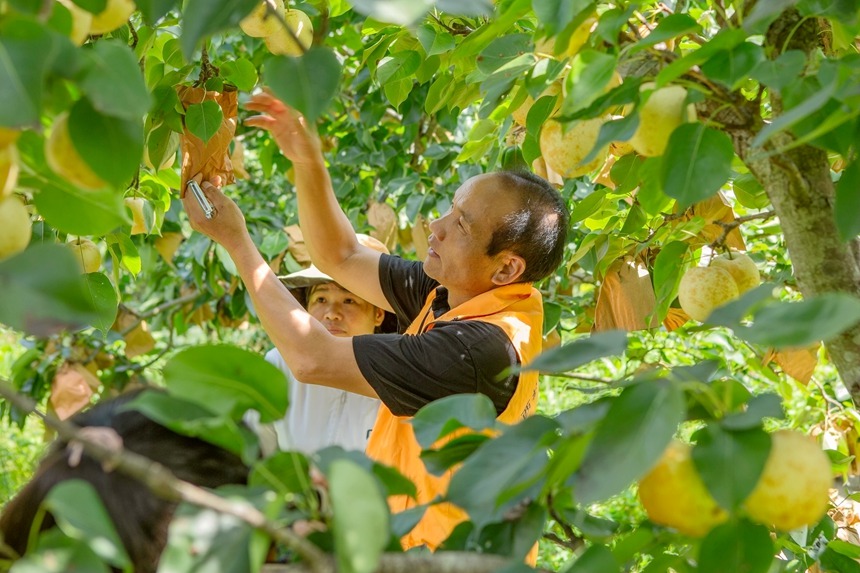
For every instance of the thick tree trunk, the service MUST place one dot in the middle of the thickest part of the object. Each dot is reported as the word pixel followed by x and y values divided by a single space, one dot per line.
pixel 799 186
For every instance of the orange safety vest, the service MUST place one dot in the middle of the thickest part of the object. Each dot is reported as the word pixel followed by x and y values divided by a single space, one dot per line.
pixel 518 310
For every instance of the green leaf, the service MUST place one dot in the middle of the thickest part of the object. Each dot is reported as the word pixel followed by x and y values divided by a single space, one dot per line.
pixel 572 355
pixel 668 268
pixel 204 119
pixel 190 419
pixel 762 15
pixel 435 41
pixel 790 324
pixel 589 75
pixel 730 463
pixel 503 472
pixel 725 39
pixel 81 515
pixel 43 291
pixel 360 519
pixel 554 15
pixel 153 10
pixel 848 202
pixel 441 417
pixel 113 82
pixel 734 66
pixel 57 553
pixel 697 162
pixel 630 439
pixel 27 51
pixel 228 381
pixel 111 146
pixel 104 300
pixel 440 460
pixel 796 114
pixel 757 408
pixel 241 73
pixel 503 50
pixel 733 313
pixel 398 66
pixel 595 559
pixel 669 27
pixel 83 213
pixel 284 472
pixel 782 71
pixel 736 546
pixel 200 18
pixel 402 12
pixel 308 83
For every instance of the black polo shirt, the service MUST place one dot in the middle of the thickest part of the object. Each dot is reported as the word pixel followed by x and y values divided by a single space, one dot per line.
pixel 454 357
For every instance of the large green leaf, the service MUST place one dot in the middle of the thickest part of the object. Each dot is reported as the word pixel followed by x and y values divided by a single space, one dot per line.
pixel 113 82
pixel 228 381
pixel 630 438
pixel 79 512
pixel 284 472
pixel 503 471
pixel 153 10
pixel 360 521
pixel 104 300
pixel 78 212
pixel 241 73
pixel 200 18
pixel 502 50
pixel 595 559
pixel 111 146
pixel 574 354
pixel 668 268
pixel 308 83
pixel 403 12
pixel 730 462
pixel 736 546
pixel 441 417
pixel 191 419
pixel 671 26
pixel 589 75
pixel 27 51
pixel 848 202
pixel 782 71
pixel 734 66
pixel 43 291
pixel 788 324
pixel 58 553
pixel 697 162
pixel 204 119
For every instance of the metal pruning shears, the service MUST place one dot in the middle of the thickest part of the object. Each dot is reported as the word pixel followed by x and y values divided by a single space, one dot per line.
pixel 208 208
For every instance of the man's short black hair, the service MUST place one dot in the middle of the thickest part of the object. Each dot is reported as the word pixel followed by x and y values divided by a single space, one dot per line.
pixel 537 231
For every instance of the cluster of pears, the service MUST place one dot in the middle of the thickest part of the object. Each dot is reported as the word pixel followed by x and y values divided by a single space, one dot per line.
pixel 263 23
pixel 792 491
pixel 564 147
pixel 702 289
pixel 85 24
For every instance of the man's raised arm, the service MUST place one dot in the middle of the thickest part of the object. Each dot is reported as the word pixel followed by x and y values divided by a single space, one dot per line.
pixel 328 233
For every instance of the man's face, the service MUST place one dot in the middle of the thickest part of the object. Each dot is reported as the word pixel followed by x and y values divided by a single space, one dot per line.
pixel 457 257
pixel 341 312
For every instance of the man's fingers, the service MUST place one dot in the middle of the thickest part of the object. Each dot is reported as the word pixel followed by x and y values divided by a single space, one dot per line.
pixel 263 121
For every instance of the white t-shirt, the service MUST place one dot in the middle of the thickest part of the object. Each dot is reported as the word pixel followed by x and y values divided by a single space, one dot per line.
pixel 320 416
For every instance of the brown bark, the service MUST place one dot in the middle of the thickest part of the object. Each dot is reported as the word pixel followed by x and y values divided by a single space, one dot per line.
pixel 799 186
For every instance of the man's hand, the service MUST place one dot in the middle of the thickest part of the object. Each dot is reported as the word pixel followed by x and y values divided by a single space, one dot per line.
pixel 287 126
pixel 227 226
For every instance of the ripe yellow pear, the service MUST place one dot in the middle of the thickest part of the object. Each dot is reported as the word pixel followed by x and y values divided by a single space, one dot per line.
pixel 658 117
pixel 261 22
pixel 280 42
pixel 703 289
pixel 87 254
pixel 65 160
pixel 674 495
pixel 521 113
pixel 9 167
pixel 8 136
pixel 115 14
pixel 15 226
pixel 742 268
pixel 81 22
pixel 547 46
pixel 793 488
pixel 167 245
pixel 563 152
pixel 136 204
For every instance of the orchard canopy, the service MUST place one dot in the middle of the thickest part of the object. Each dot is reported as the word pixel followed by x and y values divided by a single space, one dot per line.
pixel 708 150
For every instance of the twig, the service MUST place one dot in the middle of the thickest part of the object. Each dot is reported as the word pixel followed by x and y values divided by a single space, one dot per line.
pixel 732 225
pixel 574 541
pixel 164 484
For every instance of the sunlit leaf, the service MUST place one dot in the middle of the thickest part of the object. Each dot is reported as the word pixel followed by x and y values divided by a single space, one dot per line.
pixel 308 83
pixel 574 354
pixel 696 163
pixel 204 119
pixel 113 82
pixel 441 417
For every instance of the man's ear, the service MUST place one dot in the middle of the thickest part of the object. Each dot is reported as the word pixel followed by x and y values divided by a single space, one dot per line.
pixel 511 269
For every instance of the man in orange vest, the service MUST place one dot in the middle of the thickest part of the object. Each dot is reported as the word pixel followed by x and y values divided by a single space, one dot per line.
pixel 469 310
